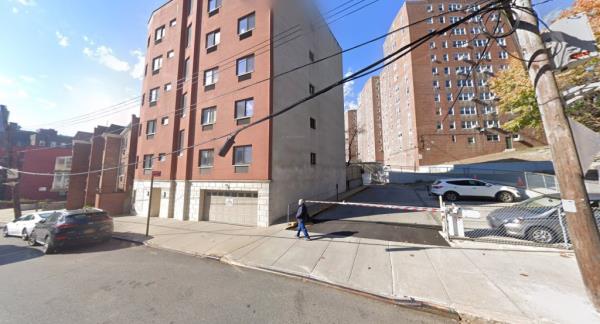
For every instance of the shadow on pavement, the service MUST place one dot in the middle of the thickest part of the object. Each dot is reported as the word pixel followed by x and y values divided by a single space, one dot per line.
pixel 13 254
pixel 339 234
pixel 112 245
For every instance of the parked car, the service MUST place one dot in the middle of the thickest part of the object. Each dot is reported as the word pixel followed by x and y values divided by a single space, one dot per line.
pixel 72 228
pixel 454 189
pixel 536 219
pixel 24 225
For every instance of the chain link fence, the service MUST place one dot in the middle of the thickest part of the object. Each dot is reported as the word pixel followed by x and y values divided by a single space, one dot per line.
pixel 538 221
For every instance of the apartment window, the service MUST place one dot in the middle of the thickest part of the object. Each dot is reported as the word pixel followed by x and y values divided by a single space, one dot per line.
pixel 449 97
pixel 471 140
pixel 438 111
pixel 447 71
pixel 157 64
pixel 434 71
pixel 207 158
pixel 442 19
pixel 184 105
pixel 162 157
pixel 469 124
pixel 164 121
pixel 491 124
pixel 480 42
pixel 460 43
pixel 429 8
pixel 245 65
pixel 501 41
pixel 441 7
pixel 488 110
pixel 437 98
pixel 173 23
pixel 433 58
pixel 486 55
pixel 148 161
pixel 180 142
pixel 168 87
pixel 246 24
pixel 211 76
pixel 436 84
pixel 209 116
pixel 311 89
pixel 439 126
pixel 452 125
pixel 451 111
pixel 159 34
pixel 150 129
pixel 454 19
pixel 313 158
pixel 242 157
pixel 476 30
pixel 213 39
pixel 171 54
pixel 503 67
pixel 431 45
pixel 449 83
pixel 503 55
pixel 214 5
pixel 468 111
pixel 445 58
pixel 189 34
pixel 466 96
pixel 154 96
pixel 459 31
pixel 453 138
pixel 445 44
pixel 186 69
pixel 430 20
pixel 454 7
pixel 244 109
pixel 486 96
pixel 493 138
pixel 465 82
pixel 190 6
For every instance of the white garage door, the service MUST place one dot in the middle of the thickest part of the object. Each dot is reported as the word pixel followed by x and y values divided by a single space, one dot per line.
pixel 231 207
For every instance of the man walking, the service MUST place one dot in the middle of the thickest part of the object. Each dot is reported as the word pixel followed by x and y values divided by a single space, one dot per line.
pixel 301 217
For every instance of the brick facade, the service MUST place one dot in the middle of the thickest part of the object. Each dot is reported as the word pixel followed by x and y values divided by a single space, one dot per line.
pixel 418 91
pixel 370 138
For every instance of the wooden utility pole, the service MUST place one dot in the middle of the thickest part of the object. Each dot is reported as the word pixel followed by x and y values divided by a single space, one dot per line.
pixel 580 219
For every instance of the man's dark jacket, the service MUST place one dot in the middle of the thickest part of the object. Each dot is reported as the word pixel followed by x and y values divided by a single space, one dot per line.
pixel 302 214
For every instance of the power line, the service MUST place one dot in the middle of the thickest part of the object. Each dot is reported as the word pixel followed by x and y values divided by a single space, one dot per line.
pixel 368 42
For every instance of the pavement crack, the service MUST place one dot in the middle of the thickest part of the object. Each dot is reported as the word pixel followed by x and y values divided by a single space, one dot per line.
pixel 354 260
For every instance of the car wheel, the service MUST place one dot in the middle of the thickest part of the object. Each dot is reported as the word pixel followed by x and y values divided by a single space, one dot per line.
pixel 451 196
pixel 541 235
pixel 31 241
pixel 5 231
pixel 48 247
pixel 24 235
pixel 505 196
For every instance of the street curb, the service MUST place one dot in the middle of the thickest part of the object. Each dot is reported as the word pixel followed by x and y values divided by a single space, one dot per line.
pixel 409 303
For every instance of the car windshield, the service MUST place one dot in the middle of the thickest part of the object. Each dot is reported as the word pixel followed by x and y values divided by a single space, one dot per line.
pixel 541 202
pixel 45 215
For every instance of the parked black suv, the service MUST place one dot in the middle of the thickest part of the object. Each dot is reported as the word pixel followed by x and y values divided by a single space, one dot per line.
pixel 72 228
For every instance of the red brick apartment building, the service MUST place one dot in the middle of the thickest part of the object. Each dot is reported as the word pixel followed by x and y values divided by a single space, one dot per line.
pixel 113 150
pixel 214 66
pixel 370 139
pixel 417 91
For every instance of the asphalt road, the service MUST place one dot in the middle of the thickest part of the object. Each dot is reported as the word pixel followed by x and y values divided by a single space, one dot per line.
pixel 119 282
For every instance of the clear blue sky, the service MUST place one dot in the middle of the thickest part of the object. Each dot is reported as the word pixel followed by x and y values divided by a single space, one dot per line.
pixel 63 58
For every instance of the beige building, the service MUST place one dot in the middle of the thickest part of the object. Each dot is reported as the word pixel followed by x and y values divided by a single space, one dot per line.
pixel 421 123
pixel 370 137
pixel 215 66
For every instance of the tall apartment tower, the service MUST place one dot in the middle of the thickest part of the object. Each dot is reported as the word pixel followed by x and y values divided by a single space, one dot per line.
pixel 215 66
pixel 420 124
pixel 370 139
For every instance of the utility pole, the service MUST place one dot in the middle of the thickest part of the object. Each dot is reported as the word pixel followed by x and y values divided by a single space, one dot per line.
pixel 16 197
pixel 580 219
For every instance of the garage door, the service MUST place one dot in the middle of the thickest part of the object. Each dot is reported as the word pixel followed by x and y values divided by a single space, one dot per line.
pixel 231 207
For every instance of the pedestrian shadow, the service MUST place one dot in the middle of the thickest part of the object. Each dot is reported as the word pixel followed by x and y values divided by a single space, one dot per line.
pixel 13 254
pixel 334 235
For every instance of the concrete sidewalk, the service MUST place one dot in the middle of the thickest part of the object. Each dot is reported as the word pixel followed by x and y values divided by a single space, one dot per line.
pixel 516 286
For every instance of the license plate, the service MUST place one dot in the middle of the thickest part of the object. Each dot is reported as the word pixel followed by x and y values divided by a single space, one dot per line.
pixel 89 231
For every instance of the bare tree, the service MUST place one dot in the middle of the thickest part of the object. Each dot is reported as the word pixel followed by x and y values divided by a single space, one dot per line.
pixel 352 138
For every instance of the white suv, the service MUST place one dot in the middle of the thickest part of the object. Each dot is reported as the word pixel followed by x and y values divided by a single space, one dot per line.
pixel 453 189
